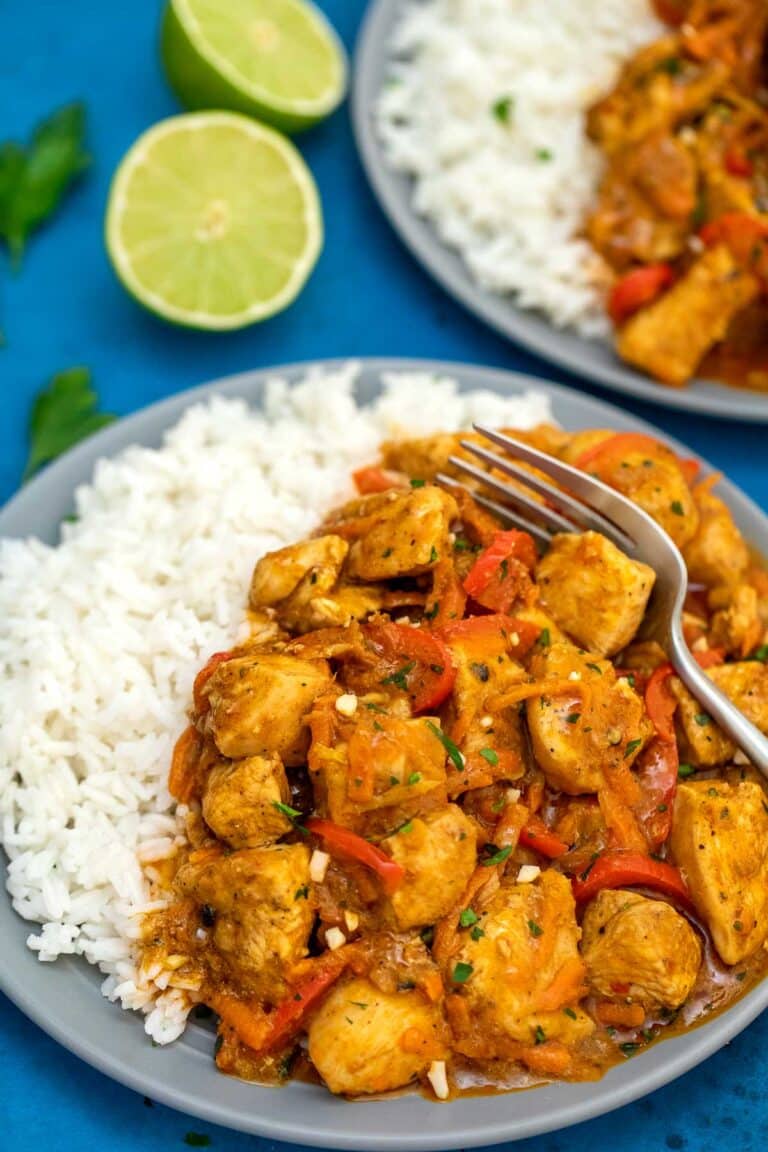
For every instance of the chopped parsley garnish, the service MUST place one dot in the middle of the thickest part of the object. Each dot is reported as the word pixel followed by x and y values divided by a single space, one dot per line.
pixel 631 747
pixel 387 552
pixel 629 1048
pixel 497 858
pixel 702 719
pixel 672 66
pixel 677 508
pixel 416 483
pixel 539 1035
pixel 741 976
pixel 375 707
pixel 543 155
pixel 685 770
pixel 738 926
pixel 291 813
pixel 433 555
pixel 544 638
pixel 461 972
pixel 430 613
pixel 477 932
pixel 405 828
pixel 302 893
pixel 427 934
pixel 534 928
pixel 414 778
pixel 502 108
pixel 596 668
pixel 394 781
pixel 482 671
pixel 399 678
pixel 570 1012
pixel 359 1003
pixel 468 917
pixel 489 755
pixel 761 654
pixel 454 755
pixel 573 717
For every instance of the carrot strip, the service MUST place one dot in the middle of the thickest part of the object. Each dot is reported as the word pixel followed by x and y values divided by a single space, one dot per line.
pixel 182 777
pixel 555 686
pixel 568 986
pixel 620 1015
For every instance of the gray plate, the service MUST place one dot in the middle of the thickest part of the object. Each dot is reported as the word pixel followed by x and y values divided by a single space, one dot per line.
pixel 63 998
pixel 592 359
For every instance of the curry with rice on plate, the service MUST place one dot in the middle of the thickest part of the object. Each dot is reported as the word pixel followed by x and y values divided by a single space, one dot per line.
pixel 451 821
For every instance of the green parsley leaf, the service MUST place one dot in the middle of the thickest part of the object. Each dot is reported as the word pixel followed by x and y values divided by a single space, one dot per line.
pixel 394 780
pixel 33 179
pixel 631 747
pixel 539 1035
pixel 454 755
pixel 434 555
pixel 497 858
pixel 468 917
pixel 761 654
pixel 375 707
pixel 570 1012
pixel 417 483
pixel 741 976
pixel 738 926
pixel 502 108
pixel 672 66
pixel 543 155
pixel 477 932
pixel 302 893
pixel 544 638
pixel 399 678
pixel 534 928
pixel 702 719
pixel 291 813
pixel 677 508
pixel 405 828
pixel 414 778
pixel 62 415
pixel 629 1048
pixel 461 972
pixel 685 770
pixel 573 718
pixel 489 755
pixel 596 668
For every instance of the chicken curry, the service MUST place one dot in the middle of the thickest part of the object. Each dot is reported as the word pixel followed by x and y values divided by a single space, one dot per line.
pixel 451 821
pixel 682 212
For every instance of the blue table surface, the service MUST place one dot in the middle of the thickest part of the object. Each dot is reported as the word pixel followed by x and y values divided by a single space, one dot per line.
pixel 366 297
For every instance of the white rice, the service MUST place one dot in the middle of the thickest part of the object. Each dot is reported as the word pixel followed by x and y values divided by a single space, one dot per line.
pixel 510 196
pixel 101 638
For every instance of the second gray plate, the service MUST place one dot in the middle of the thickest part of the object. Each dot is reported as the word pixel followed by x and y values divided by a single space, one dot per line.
pixel 63 998
pixel 592 359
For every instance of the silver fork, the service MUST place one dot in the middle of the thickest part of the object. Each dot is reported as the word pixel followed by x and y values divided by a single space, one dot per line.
pixel 595 506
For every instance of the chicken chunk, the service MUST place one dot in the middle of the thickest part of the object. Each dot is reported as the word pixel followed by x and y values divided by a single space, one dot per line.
pixel 438 853
pixel 240 801
pixel 379 770
pixel 258 704
pixel 717 554
pixel 357 1038
pixel 720 841
pixel 396 534
pixel 595 593
pixel 702 742
pixel 420 458
pixel 263 909
pixel 302 583
pixel 737 625
pixel 524 964
pixel 639 950
pixel 578 735
pixel 669 338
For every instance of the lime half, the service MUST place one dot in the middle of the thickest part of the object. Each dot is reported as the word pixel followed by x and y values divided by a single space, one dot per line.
pixel 213 221
pixel 277 60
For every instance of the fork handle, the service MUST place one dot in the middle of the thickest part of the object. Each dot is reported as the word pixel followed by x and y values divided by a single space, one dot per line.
pixel 723 711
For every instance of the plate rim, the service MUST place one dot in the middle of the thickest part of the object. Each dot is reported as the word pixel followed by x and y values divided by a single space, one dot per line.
pixel 649 1072
pixel 519 326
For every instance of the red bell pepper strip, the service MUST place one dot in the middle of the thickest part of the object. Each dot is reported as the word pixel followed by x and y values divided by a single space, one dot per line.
pixel 627 870
pixel 660 703
pixel 506 631
pixel 710 657
pixel 656 771
pixel 541 839
pixel 204 676
pixel 421 663
pixel 501 571
pixel 345 843
pixel 376 479
pixel 737 162
pixel 637 289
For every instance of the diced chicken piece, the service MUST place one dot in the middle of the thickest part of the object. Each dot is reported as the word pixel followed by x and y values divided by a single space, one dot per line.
pixel 240 801
pixel 737 627
pixel 717 554
pixel 595 593
pixel 639 950
pixel 659 88
pixel 438 853
pixel 578 735
pixel 720 841
pixel 363 1040
pixel 396 534
pixel 258 704
pixel 669 338
pixel 302 584
pixel 702 742
pixel 525 966
pixel 421 458
pixel 380 770
pixel 263 911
